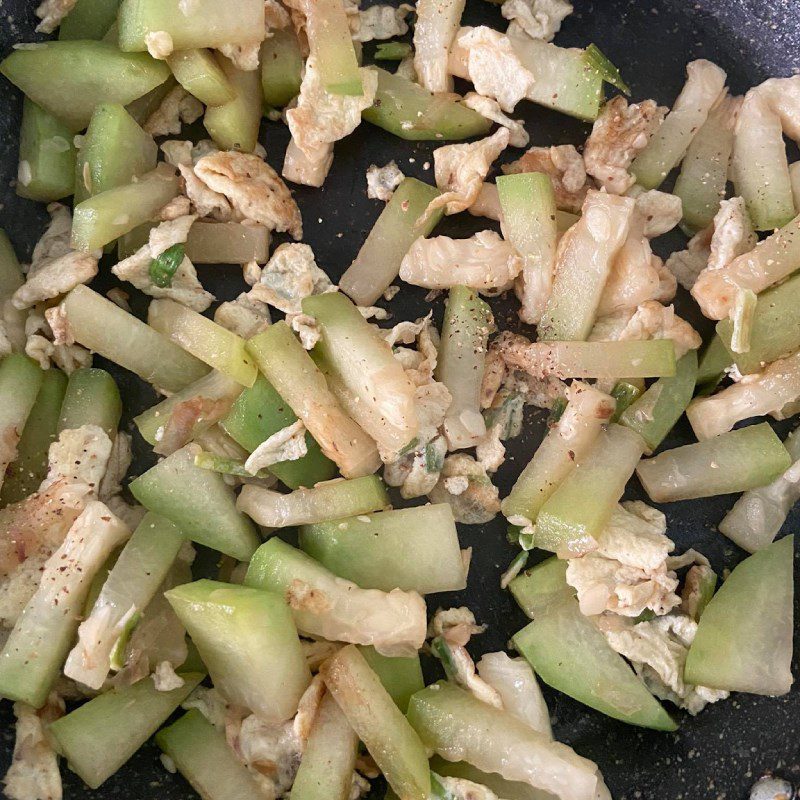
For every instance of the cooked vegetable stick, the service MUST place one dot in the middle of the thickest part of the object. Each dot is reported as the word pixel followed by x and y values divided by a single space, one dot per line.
pixel 281 68
pixel 210 24
pixel 760 167
pixel 234 125
pixel 362 372
pixel 227 243
pixel 104 217
pixel 98 737
pixel 508 790
pixel 713 362
pixel 744 639
pixel 394 622
pixel 373 715
pixel 731 462
pixel 529 223
pixel 401 677
pixel 414 549
pixel 652 358
pixel 407 110
pixel 568 652
pixel 566 443
pixel 89 19
pixel 105 328
pixel 257 414
pixel 396 229
pixel 199 73
pixel 772 259
pixel 327 763
pixel 459 727
pixel 775 330
pixel 704 171
pixel 248 641
pixel 468 321
pixel 765 392
pixel 705 82
pixel 182 416
pixel 330 500
pixel 114 151
pixel 11 277
pixel 35 651
pixel 130 585
pixel 584 262
pixel 296 378
pixel 536 589
pixel 46 156
pixel 436 27
pixel 69 79
pixel 332 48
pixel 758 515
pixel 204 758
pixel 563 80
pixel 92 398
pixel 575 515
pixel 30 467
pixel 145 106
pixel 655 413
pixel 198 335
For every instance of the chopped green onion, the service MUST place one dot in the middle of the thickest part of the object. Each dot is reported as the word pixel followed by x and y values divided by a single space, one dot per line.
pixel 164 267
pixel 441 649
pixel 556 410
pixel 607 71
pixel 624 393
pixel 393 51
pixel 434 458
pixel 117 658
pixel 226 466
pixel 514 568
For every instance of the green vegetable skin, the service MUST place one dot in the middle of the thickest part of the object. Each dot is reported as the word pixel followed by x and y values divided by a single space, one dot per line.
pixel 542 586
pixel 107 216
pixel 199 502
pixel 257 414
pixel 98 737
pixel 332 47
pixel 281 68
pixel 379 723
pixel 468 321
pixel 10 272
pixel 624 393
pixel 413 113
pixel 114 151
pixel 289 368
pixel 199 73
pixel 655 413
pixel 249 643
pixel 401 677
pixel 198 335
pixel 396 229
pixel 69 79
pixel 210 24
pixel 27 472
pixel 234 125
pixel 569 653
pixel 414 549
pixel 744 639
pixel 20 381
pixel 577 512
pixel 204 758
pixel 46 156
pixel 92 398
pixel 775 330
pixel 105 328
pixel 713 362
pixel 731 462
pixel 330 500
pixel 89 19
pixel 326 767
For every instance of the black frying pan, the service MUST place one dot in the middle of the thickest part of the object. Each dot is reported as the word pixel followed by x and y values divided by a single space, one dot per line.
pixel 716 755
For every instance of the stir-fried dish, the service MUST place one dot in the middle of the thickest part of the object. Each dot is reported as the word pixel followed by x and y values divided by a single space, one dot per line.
pixel 295 667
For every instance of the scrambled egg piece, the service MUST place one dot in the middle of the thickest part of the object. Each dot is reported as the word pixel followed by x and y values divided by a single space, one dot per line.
pixel 242 56
pixel 382 22
pixel 485 261
pixel 478 502
pixel 490 108
pixel 290 275
pixel 540 19
pixel 253 189
pixel 245 316
pixel 176 108
pixel 455 625
pixel 165 679
pixel 627 573
pixel 661 211
pixel 462 789
pixel 564 165
pixel 657 649
pixel 55 277
pixel 159 44
pixel 287 444
pixel 51 13
pixel 618 134
pixel 382 181
pixel 687 264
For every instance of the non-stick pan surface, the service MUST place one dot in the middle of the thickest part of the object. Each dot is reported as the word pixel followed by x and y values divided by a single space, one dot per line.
pixel 716 755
